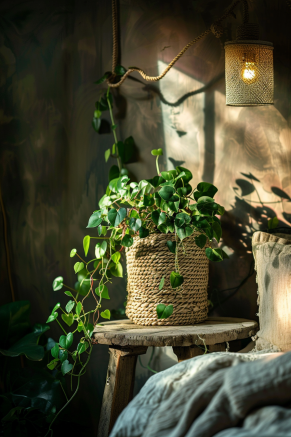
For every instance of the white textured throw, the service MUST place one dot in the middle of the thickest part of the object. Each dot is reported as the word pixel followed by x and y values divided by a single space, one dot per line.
pixel 272 253
pixel 219 395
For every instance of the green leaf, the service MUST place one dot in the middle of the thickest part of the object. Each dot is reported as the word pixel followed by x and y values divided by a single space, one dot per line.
pixel 209 233
pixel 126 149
pixel 169 175
pixel 102 291
pixel 163 229
pixel 66 340
pixel 68 293
pixel 201 240
pixel 63 355
pixel 70 305
pixel 167 193
pixel 116 257
pixel 173 206
pixel 68 319
pixel 182 219
pixel 53 364
pixel 115 217
pixel 143 232
pixel 106 314
pixel 176 280
pixel 184 232
pixel 58 283
pixel 79 308
pixel 127 240
pixel 273 223
pixel 215 255
pixel 28 345
pixel 162 282
pixel 135 224
pixel 100 249
pixel 117 270
pixel 171 246
pixel 164 311
pixel 82 347
pixel 56 307
pixel 107 155
pixel 217 232
pixel 73 252
pixel 78 267
pixel 113 172
pixel 205 189
pixel 86 244
pixel 148 200
pixel 103 78
pixel 95 220
pixel 52 317
pixel 155 217
pixel 66 367
pixel 96 123
pixel 188 175
pixel 55 350
pixel 157 152
pixel 120 70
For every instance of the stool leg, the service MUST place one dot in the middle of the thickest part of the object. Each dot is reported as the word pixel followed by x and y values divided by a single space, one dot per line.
pixel 185 352
pixel 118 390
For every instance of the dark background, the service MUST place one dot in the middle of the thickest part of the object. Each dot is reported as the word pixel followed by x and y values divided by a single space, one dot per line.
pixel 52 162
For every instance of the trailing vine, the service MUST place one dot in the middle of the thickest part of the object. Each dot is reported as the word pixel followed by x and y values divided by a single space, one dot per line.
pixel 166 203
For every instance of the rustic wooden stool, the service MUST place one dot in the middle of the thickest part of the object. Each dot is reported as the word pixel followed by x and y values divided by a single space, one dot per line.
pixel 126 341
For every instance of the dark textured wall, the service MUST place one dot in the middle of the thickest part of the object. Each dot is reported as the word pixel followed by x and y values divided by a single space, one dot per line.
pixel 52 162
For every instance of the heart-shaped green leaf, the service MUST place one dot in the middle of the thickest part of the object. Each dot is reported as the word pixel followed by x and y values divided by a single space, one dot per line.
pixel 116 257
pixel 273 223
pixel 201 240
pixel 167 193
pixel 215 255
pixel 157 152
pixel 63 355
pixel 102 291
pixel 107 155
pixel 171 246
pixel 79 308
pixel 58 283
pixel 56 307
pixel 66 367
pixel 52 317
pixel 127 240
pixel 217 232
pixel 68 319
pixel 116 270
pixel 73 253
pixel 100 249
pixel 176 280
pixel 143 232
pixel 106 314
pixel 184 232
pixel 95 220
pixel 82 347
pixel 135 224
pixel 188 175
pixel 66 340
pixel 78 267
pixel 55 351
pixel 115 217
pixel 53 364
pixel 68 293
pixel 70 305
pixel 164 311
pixel 86 244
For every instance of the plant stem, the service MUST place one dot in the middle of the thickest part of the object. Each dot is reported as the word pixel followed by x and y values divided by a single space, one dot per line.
pixel 157 165
pixel 113 130
pixel 81 259
pixel 69 288
pixel 61 327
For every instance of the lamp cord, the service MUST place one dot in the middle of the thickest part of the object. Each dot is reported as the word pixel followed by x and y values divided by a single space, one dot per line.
pixel 216 28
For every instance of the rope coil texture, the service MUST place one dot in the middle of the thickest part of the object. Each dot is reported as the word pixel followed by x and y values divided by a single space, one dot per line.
pixel 216 28
pixel 148 260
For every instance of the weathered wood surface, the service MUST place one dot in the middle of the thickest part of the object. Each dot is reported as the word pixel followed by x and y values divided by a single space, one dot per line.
pixel 119 385
pixel 213 331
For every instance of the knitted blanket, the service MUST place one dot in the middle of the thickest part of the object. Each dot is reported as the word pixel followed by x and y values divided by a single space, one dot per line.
pixel 220 394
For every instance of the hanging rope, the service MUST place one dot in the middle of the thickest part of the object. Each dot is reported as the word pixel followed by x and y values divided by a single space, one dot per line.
pixel 215 28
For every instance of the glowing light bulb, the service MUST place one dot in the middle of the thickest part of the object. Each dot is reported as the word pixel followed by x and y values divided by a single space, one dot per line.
pixel 249 72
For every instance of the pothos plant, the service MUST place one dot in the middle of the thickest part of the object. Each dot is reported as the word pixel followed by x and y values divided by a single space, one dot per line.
pixel 165 204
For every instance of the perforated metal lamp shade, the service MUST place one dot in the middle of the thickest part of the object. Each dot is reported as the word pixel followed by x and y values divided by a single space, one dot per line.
pixel 249 74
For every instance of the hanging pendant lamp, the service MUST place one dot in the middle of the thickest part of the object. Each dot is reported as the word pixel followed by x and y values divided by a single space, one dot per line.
pixel 249 74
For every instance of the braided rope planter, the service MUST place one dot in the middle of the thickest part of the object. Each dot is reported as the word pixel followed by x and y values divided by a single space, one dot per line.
pixel 148 260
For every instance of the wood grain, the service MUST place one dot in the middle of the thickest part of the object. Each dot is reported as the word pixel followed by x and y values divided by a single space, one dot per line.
pixel 214 330
pixel 119 385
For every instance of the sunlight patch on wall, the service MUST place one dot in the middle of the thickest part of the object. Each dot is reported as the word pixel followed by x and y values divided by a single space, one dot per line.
pixel 183 123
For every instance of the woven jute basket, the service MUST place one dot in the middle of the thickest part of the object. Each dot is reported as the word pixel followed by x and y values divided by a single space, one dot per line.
pixel 148 260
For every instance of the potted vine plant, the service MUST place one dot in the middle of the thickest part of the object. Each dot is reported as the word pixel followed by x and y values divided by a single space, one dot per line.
pixel 165 228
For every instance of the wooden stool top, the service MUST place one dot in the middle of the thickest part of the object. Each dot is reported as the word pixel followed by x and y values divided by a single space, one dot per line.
pixel 214 330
